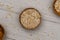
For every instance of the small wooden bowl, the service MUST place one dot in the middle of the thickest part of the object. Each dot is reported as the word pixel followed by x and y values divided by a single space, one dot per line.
pixel 54 8
pixel 29 26
pixel 1 32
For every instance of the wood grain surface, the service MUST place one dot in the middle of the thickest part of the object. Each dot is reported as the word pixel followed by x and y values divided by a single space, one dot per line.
pixel 9 18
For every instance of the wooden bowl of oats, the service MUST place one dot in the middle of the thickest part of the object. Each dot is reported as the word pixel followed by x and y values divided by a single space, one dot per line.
pixel 30 18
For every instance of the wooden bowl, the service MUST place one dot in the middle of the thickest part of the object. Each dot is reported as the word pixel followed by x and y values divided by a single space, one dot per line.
pixel 30 18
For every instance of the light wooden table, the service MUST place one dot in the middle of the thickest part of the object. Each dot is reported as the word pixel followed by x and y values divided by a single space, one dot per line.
pixel 9 18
